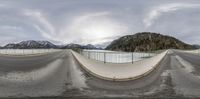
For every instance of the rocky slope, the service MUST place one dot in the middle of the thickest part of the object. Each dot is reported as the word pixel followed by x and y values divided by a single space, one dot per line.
pixel 147 41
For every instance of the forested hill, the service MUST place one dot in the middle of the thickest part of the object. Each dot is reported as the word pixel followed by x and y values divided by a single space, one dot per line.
pixel 147 41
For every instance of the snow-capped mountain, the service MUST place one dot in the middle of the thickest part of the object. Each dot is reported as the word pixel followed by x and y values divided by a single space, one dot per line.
pixel 45 44
pixel 31 44
pixel 72 46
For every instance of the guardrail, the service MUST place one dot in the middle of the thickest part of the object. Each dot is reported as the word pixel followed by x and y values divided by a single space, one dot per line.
pixel 116 57
pixel 26 51
pixel 196 52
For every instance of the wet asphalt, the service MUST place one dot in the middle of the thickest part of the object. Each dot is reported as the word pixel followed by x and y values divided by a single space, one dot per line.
pixel 67 80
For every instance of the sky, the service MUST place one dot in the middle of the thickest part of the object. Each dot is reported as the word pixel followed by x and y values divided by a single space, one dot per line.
pixel 97 21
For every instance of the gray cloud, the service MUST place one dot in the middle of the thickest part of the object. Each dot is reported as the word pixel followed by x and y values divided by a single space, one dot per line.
pixel 96 21
pixel 166 8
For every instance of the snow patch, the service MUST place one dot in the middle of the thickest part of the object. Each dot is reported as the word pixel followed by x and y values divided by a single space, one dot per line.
pixel 166 73
pixel 78 79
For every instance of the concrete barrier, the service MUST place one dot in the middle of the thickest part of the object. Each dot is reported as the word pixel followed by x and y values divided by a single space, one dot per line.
pixel 196 52
pixel 119 72
pixel 26 52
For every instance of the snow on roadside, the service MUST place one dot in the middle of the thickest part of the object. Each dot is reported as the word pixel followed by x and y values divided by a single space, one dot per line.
pixel 77 77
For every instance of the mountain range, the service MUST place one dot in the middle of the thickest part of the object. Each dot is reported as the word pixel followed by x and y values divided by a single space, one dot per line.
pixel 31 44
pixel 144 41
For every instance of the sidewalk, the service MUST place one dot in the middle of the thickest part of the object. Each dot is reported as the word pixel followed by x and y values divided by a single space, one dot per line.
pixel 119 72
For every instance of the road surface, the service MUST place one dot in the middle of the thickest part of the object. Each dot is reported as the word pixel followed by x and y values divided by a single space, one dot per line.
pixel 58 75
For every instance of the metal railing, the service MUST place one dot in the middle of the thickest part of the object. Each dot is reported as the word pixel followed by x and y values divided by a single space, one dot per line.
pixel 116 57
pixel 196 52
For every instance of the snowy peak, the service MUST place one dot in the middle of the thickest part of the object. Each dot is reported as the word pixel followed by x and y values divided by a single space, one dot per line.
pixel 31 44
pixel 72 46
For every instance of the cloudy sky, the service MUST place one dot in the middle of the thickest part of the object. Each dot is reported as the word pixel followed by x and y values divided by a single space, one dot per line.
pixel 97 21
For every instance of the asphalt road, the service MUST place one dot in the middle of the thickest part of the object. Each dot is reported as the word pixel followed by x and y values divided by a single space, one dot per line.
pixel 59 76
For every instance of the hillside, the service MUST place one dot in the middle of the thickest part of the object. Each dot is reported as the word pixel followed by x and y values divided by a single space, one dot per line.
pixel 147 41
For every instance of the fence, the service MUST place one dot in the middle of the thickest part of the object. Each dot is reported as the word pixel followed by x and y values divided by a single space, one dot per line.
pixel 26 51
pixel 116 57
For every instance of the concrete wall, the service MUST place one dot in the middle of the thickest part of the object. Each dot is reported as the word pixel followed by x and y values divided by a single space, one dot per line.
pixel 26 51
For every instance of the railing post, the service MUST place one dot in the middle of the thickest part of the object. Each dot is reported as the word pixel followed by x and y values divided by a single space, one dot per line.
pixel 81 52
pixel 104 57
pixel 132 57
pixel 149 54
pixel 97 53
pixel 89 54
pixel 199 51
